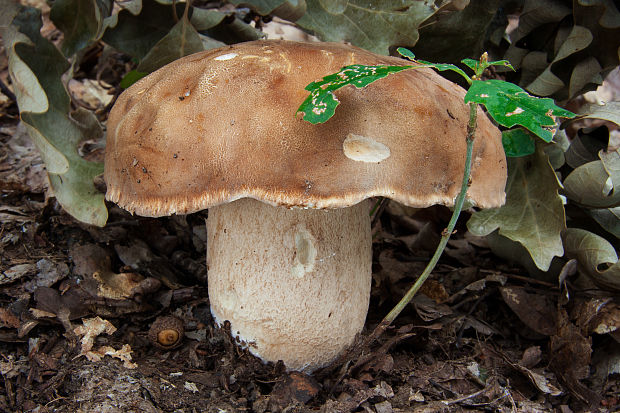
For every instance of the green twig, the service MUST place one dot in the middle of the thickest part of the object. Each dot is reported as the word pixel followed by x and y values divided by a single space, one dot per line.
pixel 458 206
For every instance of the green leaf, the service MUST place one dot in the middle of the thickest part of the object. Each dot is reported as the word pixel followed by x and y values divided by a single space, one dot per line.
pixel 36 67
pixel 439 66
pixel 596 184
pixel 131 77
pixel 445 66
pixel 319 107
pixel 608 111
pixel 459 29
pixel 515 252
pixel 608 219
pixel 575 44
pixel 596 256
pixel 205 19
pixel 471 63
pixel 533 214
pixel 81 22
pixel 586 72
pixel 584 148
pixel 517 142
pixel 136 35
pixel 478 68
pixel 321 104
pixel 182 40
pixel 548 83
pixel 290 10
pixel 133 6
pixel 510 105
pixel 406 53
pixel 371 25
pixel 233 30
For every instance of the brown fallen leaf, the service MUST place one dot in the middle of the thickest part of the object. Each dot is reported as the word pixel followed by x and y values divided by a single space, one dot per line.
pixel 536 311
pixel 93 263
pixel 8 319
pixel 10 367
pixel 22 169
pixel 89 258
pixel 570 359
pixel 434 290
pixel 117 286
pixel 71 300
pixel 36 313
pixel 90 92
pixel 16 272
pixel 428 309
pixel 539 377
pixel 48 274
pixel 597 315
pixel 531 357
pixel 296 388
pixel 91 329
pixel 123 354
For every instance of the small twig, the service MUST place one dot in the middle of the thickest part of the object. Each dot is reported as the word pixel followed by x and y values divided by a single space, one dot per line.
pixel 174 11
pixel 462 399
pixel 186 11
pixel 8 388
pixel 507 394
pixel 442 387
pixel 381 351
pixel 529 280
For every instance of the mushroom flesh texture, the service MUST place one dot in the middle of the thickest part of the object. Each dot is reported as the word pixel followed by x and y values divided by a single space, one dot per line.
pixel 289 245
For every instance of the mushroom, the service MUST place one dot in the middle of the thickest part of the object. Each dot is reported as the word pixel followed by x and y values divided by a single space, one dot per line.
pixel 289 243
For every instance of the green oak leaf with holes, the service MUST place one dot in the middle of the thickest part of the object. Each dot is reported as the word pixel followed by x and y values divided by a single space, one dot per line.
pixel 321 104
pixel 423 63
pixel 510 106
pixel 517 142
pixel 507 103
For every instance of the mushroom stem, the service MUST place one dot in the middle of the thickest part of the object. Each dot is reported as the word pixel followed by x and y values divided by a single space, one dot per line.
pixel 294 283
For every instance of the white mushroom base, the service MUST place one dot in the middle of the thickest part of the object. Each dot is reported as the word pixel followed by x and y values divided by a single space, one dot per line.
pixel 294 283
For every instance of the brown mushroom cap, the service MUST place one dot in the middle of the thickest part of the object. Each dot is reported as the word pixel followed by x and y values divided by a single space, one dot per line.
pixel 220 125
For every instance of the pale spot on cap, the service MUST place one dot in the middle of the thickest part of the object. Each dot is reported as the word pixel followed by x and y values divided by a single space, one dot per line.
pixel 226 56
pixel 364 149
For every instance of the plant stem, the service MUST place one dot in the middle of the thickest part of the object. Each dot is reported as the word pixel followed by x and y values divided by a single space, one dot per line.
pixel 458 206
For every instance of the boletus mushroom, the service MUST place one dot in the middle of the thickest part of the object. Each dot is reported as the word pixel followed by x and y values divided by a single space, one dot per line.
pixel 289 243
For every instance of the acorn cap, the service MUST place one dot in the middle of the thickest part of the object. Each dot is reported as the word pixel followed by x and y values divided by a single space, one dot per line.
pixel 220 125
